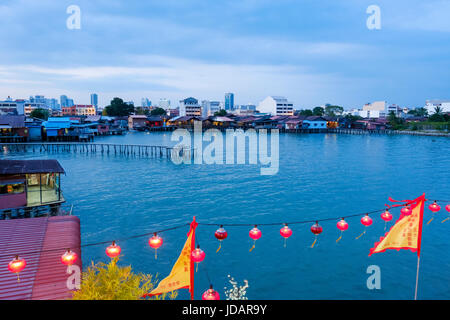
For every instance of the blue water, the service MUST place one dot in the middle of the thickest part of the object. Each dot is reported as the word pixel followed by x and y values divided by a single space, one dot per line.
pixel 320 176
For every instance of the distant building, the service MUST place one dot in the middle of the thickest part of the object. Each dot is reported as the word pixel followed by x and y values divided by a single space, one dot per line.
pixel 190 107
pixel 145 102
pixel 245 109
pixel 276 106
pixel 430 105
pixel 94 100
pixel 10 107
pixel 229 101
pixel 29 107
pixel 210 107
pixel 65 101
pixel 376 105
pixel 164 103
pixel 376 109
pixel 173 112
pixel 397 110
pixel 79 110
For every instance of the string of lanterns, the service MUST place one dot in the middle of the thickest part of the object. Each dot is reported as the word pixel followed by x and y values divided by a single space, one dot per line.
pixel 198 255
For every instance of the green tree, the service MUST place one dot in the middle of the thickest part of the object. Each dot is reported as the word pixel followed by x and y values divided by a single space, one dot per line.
pixel 306 112
pixel 333 110
pixel 220 113
pixel 118 108
pixel 437 116
pixel 419 112
pixel 318 111
pixel 141 111
pixel 395 122
pixel 112 282
pixel 40 113
pixel 158 112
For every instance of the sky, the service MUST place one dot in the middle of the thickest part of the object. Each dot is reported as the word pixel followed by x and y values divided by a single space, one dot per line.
pixel 313 52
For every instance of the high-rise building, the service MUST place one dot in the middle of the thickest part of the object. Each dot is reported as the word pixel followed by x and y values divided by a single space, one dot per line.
pixel 94 100
pixel 164 103
pixel 229 101
pixel 65 101
pixel 145 102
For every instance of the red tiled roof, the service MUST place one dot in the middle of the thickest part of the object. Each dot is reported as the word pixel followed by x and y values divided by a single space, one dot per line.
pixel 45 276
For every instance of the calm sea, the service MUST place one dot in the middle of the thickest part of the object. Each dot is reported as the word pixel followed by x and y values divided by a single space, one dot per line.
pixel 320 176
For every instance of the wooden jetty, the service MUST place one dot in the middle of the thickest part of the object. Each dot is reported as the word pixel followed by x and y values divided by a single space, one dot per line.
pixel 150 151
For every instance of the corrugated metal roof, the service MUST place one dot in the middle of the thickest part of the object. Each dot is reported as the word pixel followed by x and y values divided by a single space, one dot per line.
pixel 44 277
pixel 13 121
pixel 30 166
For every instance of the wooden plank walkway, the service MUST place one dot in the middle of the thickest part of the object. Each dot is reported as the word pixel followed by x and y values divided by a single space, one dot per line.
pixel 150 151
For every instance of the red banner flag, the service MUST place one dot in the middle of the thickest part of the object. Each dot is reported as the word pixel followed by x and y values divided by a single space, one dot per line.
pixel 406 233
pixel 182 274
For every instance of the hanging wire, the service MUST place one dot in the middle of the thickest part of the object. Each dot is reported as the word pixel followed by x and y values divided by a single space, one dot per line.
pixel 204 224
pixel 103 242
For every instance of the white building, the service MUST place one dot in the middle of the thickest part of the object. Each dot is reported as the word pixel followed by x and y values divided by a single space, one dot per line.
pixel 430 105
pixel 11 107
pixel 376 105
pixel 210 107
pixel 190 107
pixel 277 106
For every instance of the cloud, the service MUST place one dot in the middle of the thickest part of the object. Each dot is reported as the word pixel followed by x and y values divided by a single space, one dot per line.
pixel 432 16
pixel 177 78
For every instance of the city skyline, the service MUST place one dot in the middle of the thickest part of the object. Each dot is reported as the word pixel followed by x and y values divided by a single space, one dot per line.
pixel 311 53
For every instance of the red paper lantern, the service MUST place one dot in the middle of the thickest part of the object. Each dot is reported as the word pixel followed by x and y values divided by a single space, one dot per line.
pixel 17 265
pixel 342 225
pixel 406 211
pixel 316 229
pixel 434 207
pixel 197 255
pixel 255 234
pixel 285 232
pixel 69 258
pixel 447 207
pixel 210 294
pixel 155 242
pixel 220 234
pixel 386 216
pixel 113 250
pixel 366 221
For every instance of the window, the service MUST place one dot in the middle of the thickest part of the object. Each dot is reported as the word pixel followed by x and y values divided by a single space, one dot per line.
pixel 12 188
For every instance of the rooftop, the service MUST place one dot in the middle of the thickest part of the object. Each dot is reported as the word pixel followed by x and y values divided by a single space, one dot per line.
pixel 41 242
pixel 30 166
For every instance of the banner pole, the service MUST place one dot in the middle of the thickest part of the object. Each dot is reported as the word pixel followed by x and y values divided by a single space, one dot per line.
pixel 417 277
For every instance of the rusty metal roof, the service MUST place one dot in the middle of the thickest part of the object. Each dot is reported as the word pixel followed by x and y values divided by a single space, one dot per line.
pixel 30 166
pixel 35 240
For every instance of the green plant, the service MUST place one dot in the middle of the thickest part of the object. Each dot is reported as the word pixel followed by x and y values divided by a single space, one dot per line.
pixel 112 282
pixel 40 113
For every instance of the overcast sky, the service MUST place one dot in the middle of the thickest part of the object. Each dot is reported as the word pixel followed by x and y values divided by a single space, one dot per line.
pixel 313 52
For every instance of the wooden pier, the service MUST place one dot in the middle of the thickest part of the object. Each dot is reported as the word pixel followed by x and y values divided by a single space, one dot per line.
pixel 95 148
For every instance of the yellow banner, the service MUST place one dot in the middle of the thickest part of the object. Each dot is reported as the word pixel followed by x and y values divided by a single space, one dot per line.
pixel 180 276
pixel 407 231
